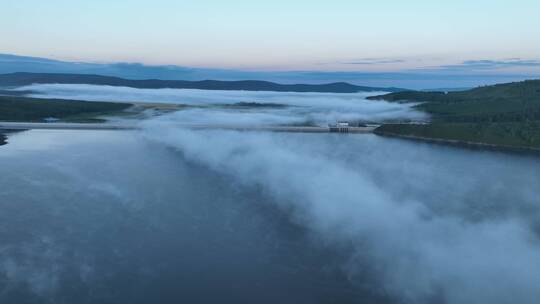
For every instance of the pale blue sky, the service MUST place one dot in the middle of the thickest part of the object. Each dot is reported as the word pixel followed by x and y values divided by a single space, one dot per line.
pixel 346 35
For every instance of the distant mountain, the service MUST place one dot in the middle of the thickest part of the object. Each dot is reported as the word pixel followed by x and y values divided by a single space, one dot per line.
pixel 412 79
pixel 22 79
pixel 13 64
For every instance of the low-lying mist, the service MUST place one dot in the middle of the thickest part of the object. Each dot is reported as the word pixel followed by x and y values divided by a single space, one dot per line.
pixel 316 108
pixel 431 225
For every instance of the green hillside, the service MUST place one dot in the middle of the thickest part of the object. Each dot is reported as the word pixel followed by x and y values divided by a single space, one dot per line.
pixel 504 114
pixel 15 108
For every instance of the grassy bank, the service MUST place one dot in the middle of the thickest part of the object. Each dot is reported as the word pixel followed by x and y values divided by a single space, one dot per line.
pixel 505 115
pixel 15 108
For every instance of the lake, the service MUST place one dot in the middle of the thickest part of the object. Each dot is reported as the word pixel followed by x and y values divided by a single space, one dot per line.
pixel 169 216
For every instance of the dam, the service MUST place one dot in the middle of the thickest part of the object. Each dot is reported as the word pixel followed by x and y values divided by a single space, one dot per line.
pixel 135 126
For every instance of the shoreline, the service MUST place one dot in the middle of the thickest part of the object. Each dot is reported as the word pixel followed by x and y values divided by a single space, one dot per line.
pixel 464 144
pixel 4 135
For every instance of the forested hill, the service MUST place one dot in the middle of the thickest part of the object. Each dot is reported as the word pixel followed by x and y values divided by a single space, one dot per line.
pixel 517 101
pixel 515 91
pixel 503 115
pixel 21 79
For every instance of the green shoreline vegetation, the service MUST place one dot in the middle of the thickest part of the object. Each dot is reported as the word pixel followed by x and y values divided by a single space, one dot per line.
pixel 26 109
pixel 506 115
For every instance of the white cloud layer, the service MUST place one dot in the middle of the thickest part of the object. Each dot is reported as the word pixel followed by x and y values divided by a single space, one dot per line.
pixel 319 108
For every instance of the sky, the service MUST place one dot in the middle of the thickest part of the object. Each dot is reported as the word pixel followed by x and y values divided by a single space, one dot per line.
pixel 280 35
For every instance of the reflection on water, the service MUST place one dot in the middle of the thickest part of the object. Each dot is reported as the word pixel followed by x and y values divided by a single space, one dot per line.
pixel 112 217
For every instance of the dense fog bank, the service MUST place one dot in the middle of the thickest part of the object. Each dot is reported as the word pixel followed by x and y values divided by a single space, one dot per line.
pixel 318 108
pixel 429 223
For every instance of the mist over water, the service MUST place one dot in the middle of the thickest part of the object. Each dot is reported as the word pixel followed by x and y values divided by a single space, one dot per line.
pixel 137 223
pixel 298 218
pixel 166 214
pixel 317 108
pixel 453 225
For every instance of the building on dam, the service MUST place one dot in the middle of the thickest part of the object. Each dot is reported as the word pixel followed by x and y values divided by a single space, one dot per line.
pixel 339 127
